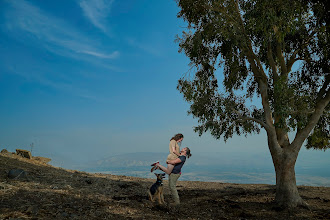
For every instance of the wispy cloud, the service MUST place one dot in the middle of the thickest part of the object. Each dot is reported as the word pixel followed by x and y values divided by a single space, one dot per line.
pixel 25 22
pixel 97 12
pixel 53 33
pixel 106 56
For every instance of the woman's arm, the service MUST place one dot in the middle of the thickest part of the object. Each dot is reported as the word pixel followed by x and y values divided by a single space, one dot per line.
pixel 177 160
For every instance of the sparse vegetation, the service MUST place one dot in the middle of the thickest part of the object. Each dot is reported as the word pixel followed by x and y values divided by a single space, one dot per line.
pixel 55 193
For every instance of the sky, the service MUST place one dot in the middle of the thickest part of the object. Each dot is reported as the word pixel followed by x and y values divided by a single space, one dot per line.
pixel 87 79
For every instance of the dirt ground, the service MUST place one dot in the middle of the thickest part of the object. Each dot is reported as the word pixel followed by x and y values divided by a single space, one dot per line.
pixel 56 193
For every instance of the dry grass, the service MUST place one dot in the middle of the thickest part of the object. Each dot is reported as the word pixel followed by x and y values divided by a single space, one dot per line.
pixel 55 193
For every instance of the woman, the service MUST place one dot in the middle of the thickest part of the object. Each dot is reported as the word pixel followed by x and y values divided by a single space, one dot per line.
pixel 174 152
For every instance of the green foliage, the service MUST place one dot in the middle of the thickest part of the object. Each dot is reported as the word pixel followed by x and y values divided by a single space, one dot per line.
pixel 319 139
pixel 255 42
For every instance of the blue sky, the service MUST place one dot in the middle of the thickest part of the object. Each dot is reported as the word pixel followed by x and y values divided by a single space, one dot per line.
pixel 86 79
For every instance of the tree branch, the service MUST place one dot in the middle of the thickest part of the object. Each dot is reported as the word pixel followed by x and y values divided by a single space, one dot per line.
pixel 324 87
pixel 246 118
pixel 263 124
pixel 221 9
pixel 261 79
pixel 280 57
pixel 303 133
pixel 306 112
pixel 293 58
pixel 271 60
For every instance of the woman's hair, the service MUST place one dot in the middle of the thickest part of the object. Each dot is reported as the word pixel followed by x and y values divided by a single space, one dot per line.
pixel 177 137
pixel 188 152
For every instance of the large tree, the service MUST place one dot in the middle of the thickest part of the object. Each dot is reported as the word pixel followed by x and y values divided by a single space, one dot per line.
pixel 275 53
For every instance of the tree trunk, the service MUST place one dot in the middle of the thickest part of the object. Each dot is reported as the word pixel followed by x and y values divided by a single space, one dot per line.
pixel 287 194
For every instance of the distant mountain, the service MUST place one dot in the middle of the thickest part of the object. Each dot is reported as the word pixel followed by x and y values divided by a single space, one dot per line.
pixel 199 161
pixel 131 159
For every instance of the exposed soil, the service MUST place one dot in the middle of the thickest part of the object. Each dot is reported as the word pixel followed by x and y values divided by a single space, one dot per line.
pixel 56 193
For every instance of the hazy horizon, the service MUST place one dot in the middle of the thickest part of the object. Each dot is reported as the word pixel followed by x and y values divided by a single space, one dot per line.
pixel 233 167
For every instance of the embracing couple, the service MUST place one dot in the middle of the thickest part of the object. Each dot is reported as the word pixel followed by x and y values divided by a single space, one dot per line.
pixel 175 161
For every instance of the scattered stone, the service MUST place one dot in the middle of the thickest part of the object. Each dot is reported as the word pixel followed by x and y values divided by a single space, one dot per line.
pixel 88 181
pixel 24 153
pixel 17 174
pixel 119 198
pixel 32 210
pixel 4 151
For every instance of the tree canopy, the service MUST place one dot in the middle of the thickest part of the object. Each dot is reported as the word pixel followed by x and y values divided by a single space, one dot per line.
pixel 273 51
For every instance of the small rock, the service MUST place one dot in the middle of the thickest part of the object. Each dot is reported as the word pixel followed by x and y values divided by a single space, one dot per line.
pixel 4 151
pixel 32 210
pixel 24 153
pixel 64 214
pixel 17 174
pixel 3 186
pixel 123 185
pixel 88 181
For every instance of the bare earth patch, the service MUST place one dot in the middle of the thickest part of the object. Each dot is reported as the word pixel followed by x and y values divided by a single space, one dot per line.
pixel 55 193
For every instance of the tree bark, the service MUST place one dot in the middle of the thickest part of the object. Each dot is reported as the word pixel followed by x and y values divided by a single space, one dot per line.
pixel 284 160
pixel 287 195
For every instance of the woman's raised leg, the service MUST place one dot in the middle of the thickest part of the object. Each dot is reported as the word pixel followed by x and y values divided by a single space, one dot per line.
pixel 167 170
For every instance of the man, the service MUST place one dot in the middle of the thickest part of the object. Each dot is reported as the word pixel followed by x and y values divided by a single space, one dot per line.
pixel 176 172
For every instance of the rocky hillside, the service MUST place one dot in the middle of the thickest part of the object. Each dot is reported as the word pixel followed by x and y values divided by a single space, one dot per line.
pixel 47 192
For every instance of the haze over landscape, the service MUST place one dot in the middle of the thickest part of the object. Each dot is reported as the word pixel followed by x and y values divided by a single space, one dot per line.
pixel 92 85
